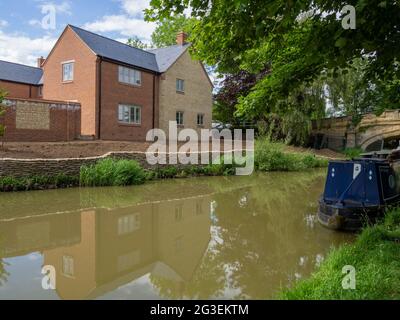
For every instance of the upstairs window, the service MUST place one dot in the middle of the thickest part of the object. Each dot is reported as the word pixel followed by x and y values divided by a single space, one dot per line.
pixel 200 120
pixel 129 76
pixel 179 118
pixel 129 114
pixel 68 266
pixel 180 85
pixel 68 71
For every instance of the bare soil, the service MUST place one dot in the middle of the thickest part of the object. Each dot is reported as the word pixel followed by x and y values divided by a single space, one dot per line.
pixel 76 149
pixel 325 153
pixel 82 149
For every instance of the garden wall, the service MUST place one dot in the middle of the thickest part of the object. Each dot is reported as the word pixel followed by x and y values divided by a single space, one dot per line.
pixel 29 120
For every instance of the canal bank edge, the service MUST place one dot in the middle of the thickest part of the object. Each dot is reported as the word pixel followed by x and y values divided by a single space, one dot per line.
pixel 20 168
pixel 38 174
pixel 374 259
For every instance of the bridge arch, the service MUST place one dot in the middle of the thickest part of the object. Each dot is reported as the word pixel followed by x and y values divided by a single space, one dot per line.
pixel 374 139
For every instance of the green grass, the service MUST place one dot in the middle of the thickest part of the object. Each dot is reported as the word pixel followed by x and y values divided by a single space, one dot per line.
pixel 376 258
pixel 171 172
pixel 352 153
pixel 111 172
pixel 9 184
pixel 271 156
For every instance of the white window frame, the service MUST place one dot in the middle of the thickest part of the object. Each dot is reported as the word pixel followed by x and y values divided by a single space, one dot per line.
pixel 128 224
pixel 180 116
pixel 200 116
pixel 68 266
pixel 180 85
pixel 129 76
pixel 125 114
pixel 70 76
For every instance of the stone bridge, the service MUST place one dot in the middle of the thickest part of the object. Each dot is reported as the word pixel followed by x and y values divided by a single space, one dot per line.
pixel 371 134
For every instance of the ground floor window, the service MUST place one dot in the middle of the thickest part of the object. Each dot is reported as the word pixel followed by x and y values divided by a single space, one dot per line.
pixel 129 114
pixel 200 119
pixel 179 118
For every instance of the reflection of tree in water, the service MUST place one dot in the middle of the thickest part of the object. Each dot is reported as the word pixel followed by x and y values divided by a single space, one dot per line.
pixel 208 281
pixel 3 273
pixel 261 241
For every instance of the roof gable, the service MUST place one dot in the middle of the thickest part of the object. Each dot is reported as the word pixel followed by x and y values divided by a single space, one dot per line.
pixel 117 51
pixel 167 56
pixel 14 72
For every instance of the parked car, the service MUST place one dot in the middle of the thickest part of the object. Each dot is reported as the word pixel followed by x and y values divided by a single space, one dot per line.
pixel 221 126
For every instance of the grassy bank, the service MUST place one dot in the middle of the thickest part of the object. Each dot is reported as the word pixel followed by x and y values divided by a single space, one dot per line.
pixel 268 157
pixel 376 258
pixel 10 184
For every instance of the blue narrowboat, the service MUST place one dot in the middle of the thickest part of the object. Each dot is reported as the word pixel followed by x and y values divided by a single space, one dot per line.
pixel 358 191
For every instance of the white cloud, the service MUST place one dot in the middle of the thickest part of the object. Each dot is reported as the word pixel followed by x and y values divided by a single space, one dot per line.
pixel 34 22
pixel 124 25
pixel 61 8
pixel 135 7
pixel 3 23
pixel 23 49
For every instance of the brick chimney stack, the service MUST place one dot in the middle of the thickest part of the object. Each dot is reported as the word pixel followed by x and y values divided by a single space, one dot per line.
pixel 40 62
pixel 181 38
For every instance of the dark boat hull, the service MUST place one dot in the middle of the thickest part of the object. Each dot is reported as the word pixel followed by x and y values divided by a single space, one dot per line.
pixel 349 218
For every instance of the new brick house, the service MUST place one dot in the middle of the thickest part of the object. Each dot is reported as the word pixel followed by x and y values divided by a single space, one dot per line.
pixel 123 92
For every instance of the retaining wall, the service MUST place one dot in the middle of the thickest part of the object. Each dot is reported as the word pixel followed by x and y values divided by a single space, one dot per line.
pixel 30 167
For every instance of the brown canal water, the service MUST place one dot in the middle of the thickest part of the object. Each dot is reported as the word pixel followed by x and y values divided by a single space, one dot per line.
pixel 203 238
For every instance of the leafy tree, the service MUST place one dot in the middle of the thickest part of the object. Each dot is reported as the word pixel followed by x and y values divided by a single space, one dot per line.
pixel 299 40
pixel 233 86
pixel 168 27
pixel 137 43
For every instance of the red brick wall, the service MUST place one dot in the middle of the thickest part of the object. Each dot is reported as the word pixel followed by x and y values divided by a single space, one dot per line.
pixel 65 123
pixel 19 90
pixel 115 93
pixel 83 88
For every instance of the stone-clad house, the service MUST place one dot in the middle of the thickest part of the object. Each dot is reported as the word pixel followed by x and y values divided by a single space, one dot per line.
pixel 122 92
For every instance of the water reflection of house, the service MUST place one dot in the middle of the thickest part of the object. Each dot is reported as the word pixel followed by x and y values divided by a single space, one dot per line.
pixel 118 246
pixel 38 233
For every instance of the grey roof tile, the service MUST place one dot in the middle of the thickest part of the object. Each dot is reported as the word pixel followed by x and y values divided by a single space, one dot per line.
pixel 10 71
pixel 167 56
pixel 117 51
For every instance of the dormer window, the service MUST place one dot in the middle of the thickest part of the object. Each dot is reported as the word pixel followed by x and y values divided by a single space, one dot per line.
pixel 129 76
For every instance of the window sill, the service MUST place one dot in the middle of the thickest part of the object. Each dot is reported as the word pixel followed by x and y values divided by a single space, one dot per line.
pixel 67 82
pixel 121 124
pixel 200 126
pixel 181 126
pixel 180 92
pixel 130 85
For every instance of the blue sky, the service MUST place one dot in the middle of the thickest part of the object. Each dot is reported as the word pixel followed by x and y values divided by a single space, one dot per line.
pixel 23 37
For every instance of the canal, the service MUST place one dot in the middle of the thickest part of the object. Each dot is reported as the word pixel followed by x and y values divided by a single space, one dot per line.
pixel 203 238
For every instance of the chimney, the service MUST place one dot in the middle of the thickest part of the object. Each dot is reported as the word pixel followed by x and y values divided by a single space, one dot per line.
pixel 181 38
pixel 40 62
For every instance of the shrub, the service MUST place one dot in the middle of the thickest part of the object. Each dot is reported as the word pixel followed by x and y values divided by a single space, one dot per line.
pixel 111 172
pixel 352 153
pixel 271 157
